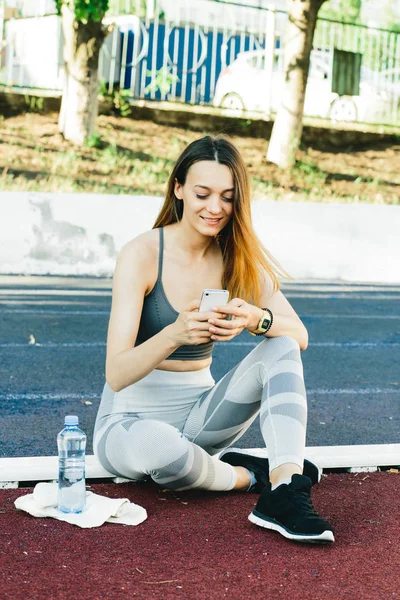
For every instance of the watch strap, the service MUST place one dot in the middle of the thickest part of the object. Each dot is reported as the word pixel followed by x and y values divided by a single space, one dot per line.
pixel 263 330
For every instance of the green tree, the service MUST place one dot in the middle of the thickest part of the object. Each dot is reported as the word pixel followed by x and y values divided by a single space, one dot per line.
pixel 133 7
pixel 84 34
pixel 342 10
pixel 288 125
pixel 392 17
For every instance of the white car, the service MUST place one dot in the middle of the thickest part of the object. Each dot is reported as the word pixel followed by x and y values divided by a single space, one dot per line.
pixel 244 87
pixel 389 85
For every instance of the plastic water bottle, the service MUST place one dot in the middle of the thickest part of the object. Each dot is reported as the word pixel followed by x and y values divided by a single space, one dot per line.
pixel 71 442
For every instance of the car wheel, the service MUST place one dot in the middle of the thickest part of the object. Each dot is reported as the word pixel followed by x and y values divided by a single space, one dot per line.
pixel 343 109
pixel 232 105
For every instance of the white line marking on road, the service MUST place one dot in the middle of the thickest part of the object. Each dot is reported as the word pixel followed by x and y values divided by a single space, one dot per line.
pixel 332 344
pixel 338 292
pixel 250 344
pixel 350 296
pixel 53 292
pixel 341 316
pixel 44 301
pixel 34 311
pixel 54 303
pixel 304 286
pixel 362 391
pixel 354 344
pixel 55 345
pixel 37 396
pixel 88 396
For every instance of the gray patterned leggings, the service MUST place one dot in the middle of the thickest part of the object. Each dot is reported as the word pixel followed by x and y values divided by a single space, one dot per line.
pixel 169 425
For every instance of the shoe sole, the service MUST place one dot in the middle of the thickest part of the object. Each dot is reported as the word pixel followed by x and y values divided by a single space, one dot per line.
pixel 241 451
pixel 326 537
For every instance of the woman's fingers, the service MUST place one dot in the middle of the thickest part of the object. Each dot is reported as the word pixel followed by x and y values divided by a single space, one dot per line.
pixel 205 316
pixel 227 325
pixel 225 338
pixel 234 311
pixel 224 332
pixel 199 325
pixel 193 305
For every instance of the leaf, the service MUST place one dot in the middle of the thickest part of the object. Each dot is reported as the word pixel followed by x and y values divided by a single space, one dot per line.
pixel 158 582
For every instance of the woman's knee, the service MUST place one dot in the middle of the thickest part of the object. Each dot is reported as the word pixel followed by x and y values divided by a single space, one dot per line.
pixel 156 444
pixel 281 346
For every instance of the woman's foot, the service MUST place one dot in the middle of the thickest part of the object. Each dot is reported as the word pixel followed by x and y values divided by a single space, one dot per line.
pixel 289 511
pixel 243 479
pixel 260 467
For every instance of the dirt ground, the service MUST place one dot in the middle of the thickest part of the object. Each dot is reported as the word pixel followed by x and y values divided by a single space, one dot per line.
pixel 135 157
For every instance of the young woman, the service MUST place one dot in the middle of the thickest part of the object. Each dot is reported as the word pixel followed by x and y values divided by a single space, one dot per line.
pixel 162 415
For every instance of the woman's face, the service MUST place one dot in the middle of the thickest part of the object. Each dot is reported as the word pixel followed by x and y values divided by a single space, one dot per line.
pixel 207 196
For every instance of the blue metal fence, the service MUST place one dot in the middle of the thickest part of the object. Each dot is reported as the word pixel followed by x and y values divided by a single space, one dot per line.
pixel 186 56
pixel 184 61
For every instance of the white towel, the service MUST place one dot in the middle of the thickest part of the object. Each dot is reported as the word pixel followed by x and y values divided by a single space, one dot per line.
pixel 43 503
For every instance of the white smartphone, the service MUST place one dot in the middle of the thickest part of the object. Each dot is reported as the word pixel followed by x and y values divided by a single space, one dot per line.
pixel 212 298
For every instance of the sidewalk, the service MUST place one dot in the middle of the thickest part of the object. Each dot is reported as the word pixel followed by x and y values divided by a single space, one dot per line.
pixel 200 545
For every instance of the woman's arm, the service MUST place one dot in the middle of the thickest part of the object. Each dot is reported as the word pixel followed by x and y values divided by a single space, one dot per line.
pixel 126 364
pixel 286 321
pixel 247 316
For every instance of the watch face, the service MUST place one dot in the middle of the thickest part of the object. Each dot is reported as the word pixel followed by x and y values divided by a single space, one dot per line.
pixel 265 323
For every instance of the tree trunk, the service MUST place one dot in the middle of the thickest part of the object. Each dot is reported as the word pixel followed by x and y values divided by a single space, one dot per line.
pixel 288 125
pixel 79 106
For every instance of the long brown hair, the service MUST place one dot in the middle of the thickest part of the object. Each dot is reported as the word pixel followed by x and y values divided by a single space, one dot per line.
pixel 245 258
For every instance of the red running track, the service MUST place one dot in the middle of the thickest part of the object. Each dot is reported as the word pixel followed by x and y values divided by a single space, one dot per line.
pixel 200 545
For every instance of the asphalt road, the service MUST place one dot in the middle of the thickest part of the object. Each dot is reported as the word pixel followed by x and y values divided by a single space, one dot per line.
pixel 52 355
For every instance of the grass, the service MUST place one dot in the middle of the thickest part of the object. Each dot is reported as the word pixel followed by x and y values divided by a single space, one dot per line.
pixel 136 157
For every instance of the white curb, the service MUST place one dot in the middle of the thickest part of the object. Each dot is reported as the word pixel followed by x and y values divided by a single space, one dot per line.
pixel 353 458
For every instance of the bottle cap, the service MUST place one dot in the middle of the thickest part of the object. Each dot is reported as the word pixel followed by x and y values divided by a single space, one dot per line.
pixel 71 420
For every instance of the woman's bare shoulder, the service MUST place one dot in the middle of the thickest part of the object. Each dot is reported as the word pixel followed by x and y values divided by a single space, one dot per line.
pixel 268 286
pixel 137 262
pixel 143 248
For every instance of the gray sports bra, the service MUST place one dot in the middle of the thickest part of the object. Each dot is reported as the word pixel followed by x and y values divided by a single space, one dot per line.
pixel 157 313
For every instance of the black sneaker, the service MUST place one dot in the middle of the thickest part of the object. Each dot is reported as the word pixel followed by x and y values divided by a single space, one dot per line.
pixel 288 509
pixel 260 467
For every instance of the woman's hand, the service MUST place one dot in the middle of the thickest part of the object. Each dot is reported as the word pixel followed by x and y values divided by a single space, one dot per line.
pixel 244 316
pixel 192 327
